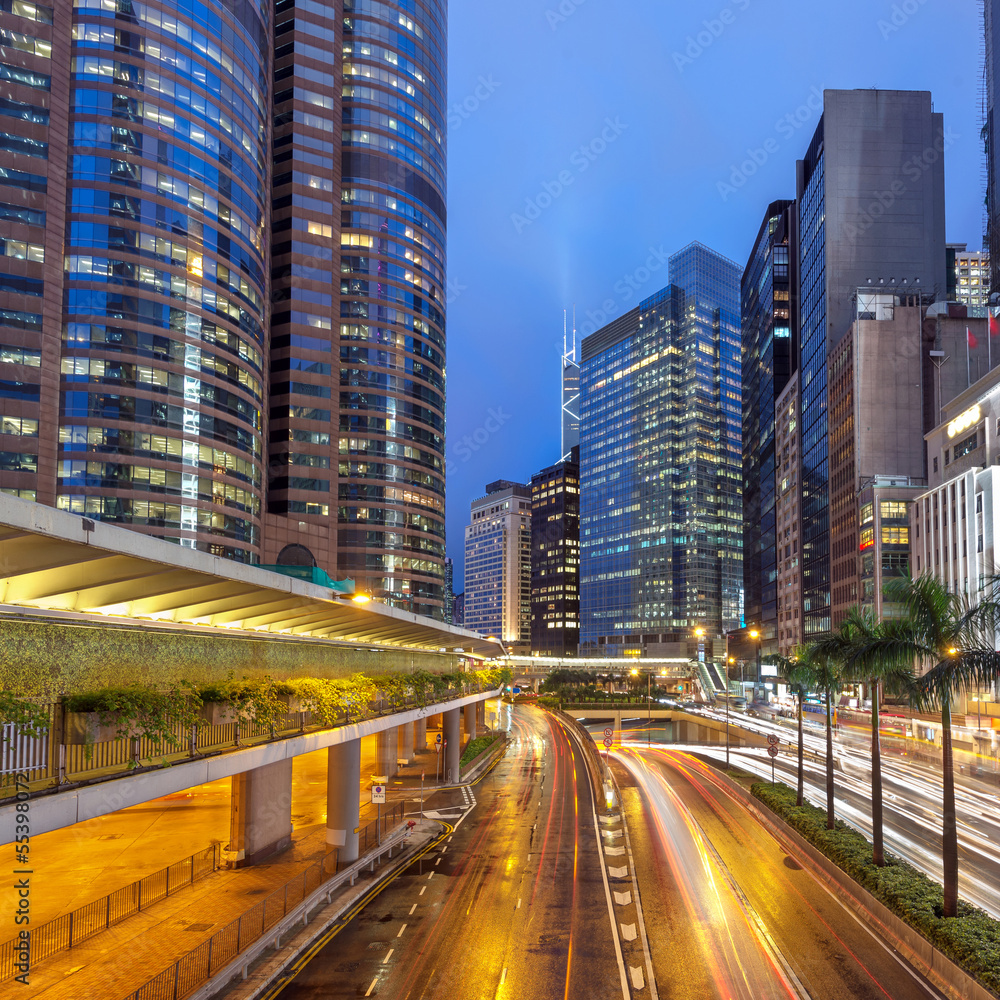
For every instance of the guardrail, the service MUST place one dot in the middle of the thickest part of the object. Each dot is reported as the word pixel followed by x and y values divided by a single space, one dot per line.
pixel 212 957
pixel 72 929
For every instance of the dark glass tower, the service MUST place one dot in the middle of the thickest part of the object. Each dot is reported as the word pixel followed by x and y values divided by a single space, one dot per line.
pixel 770 345
pixel 660 466
pixel 871 212
pixel 991 110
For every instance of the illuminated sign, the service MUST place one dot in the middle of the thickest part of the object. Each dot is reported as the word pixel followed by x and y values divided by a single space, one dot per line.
pixel 964 421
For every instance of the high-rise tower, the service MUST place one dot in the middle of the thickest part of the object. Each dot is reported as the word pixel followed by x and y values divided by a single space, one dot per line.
pixel 570 386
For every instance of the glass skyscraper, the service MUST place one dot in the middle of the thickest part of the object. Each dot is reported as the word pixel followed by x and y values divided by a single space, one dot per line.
pixel 661 473
pixel 770 347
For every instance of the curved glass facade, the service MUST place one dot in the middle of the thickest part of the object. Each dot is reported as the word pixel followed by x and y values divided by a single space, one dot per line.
pixel 165 305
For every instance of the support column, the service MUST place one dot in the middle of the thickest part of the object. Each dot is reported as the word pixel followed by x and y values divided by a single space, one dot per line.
pixel 261 812
pixel 343 798
pixel 420 735
pixel 452 752
pixel 470 722
pixel 405 745
pixel 385 753
pixel 481 714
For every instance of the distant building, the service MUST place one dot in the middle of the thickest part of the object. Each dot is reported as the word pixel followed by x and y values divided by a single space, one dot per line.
pixel 555 559
pixel 660 467
pixel 968 275
pixel 788 525
pixel 498 565
pixel 458 612
pixel 769 320
pixel 449 591
pixel 991 131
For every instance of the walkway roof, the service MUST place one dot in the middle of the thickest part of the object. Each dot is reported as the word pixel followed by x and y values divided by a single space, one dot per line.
pixel 53 561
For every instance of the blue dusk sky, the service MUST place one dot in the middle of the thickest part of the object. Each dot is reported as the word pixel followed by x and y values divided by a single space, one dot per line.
pixel 589 139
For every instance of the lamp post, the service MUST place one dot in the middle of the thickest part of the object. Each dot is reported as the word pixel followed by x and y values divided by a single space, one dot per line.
pixel 729 663
pixel 755 634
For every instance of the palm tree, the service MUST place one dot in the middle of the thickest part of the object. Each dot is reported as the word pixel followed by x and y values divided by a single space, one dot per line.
pixel 953 638
pixel 796 677
pixel 821 671
pixel 849 643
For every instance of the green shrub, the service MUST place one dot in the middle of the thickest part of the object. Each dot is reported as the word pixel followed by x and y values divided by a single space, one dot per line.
pixel 971 940
pixel 477 746
pixel 142 712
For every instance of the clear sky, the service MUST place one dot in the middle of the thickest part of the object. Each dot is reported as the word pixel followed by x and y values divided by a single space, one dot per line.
pixel 589 139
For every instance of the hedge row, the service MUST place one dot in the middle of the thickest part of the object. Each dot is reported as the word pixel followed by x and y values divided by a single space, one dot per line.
pixel 971 940
pixel 477 746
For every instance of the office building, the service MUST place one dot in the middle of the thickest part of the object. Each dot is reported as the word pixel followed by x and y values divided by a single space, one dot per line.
pixel 498 565
pixel 570 389
pixel 769 318
pixel 196 229
pixel 661 467
pixel 968 275
pixel 555 559
pixel 788 524
pixel 871 213
pixel 458 612
pixel 449 591
pixel 990 132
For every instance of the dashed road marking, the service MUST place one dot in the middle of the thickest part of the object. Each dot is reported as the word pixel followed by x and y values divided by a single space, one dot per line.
pixel 518 903
pixel 388 956
pixel 401 929
pixel 623 898
pixel 412 908
pixel 423 889
pixel 628 932
pixel 370 988
pixel 503 977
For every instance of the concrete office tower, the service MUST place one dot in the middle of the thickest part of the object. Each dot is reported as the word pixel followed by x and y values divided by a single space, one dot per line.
pixel 769 317
pixel 134 193
pixel 555 559
pixel 968 275
pixel 871 212
pixel 498 565
pixel 449 591
pixel 661 518
pixel 356 473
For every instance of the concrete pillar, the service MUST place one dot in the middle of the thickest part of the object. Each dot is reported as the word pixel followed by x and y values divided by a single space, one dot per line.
pixel 261 812
pixel 385 753
pixel 343 798
pixel 481 714
pixel 453 751
pixel 420 735
pixel 405 744
pixel 470 721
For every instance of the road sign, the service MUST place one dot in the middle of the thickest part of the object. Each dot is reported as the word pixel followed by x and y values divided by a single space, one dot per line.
pixel 773 739
pixel 378 794
pixel 437 739
pixel 608 742
pixel 437 747
pixel 772 750
pixel 516 690
pixel 609 733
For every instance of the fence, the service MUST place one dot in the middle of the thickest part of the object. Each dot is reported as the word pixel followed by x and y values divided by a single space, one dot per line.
pixel 198 966
pixel 72 929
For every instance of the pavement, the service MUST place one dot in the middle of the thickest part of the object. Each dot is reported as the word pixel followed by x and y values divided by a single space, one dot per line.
pixel 84 863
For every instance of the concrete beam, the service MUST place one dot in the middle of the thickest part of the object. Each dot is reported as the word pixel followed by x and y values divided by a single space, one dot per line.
pixel 59 809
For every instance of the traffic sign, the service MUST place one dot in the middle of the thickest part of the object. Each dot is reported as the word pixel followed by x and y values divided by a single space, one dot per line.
pixel 609 733
pixel 772 750
pixel 608 742
pixel 437 739
pixel 378 794
pixel 773 739
pixel 437 747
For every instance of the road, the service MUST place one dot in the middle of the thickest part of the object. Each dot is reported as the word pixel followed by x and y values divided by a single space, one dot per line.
pixel 912 803
pixel 735 916
pixel 510 903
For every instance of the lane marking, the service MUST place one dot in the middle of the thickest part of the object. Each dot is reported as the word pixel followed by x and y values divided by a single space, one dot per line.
pixel 444 850
pixel 401 929
pixel 518 903
pixel 430 875
pixel 637 980
pixel 388 956
pixel 412 908
pixel 503 978
pixel 370 988
pixel 423 889
pixel 436 863
pixel 629 933
pixel 623 898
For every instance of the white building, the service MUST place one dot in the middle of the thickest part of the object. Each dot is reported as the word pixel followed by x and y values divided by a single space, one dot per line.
pixel 498 564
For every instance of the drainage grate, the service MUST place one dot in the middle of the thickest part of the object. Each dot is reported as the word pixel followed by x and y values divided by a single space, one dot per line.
pixel 199 927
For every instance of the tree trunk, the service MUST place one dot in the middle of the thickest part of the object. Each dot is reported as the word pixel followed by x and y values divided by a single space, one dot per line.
pixel 878 850
pixel 801 770
pixel 949 832
pixel 829 764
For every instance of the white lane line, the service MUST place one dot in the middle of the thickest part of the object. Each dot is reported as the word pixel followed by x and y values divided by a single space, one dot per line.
pixel 518 903
pixel 430 875
pixel 370 988
pixel 388 956
pixel 449 839
pixel 412 908
pixel 503 978
pixel 401 929
pixel 444 850
pixel 436 863
pixel 423 889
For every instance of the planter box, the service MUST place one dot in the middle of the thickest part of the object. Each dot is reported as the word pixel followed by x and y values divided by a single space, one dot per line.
pixel 85 727
pixel 218 713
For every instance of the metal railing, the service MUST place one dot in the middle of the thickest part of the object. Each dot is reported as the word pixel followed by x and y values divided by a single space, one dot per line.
pixel 72 929
pixel 198 966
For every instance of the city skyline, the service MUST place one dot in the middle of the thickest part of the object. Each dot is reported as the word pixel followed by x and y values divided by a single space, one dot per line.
pixel 603 242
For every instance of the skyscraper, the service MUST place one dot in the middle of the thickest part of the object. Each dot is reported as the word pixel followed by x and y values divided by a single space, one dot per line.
pixel 770 347
pixel 498 565
pixel 991 131
pixel 151 324
pixel 570 386
pixel 555 558
pixel 135 190
pixel 870 192
pixel 660 466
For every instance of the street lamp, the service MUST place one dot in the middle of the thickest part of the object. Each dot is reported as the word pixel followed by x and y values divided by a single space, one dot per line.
pixel 755 634
pixel 700 632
